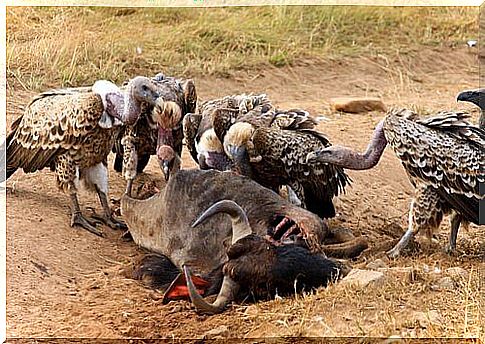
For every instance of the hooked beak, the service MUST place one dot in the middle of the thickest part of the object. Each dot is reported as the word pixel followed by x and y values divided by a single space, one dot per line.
pixel 236 153
pixel 165 166
pixel 321 155
pixel 476 97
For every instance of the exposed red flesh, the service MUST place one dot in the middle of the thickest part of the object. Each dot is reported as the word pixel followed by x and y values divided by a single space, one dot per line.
pixel 178 288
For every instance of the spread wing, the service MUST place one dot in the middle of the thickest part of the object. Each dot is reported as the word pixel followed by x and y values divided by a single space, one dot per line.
pixel 445 152
pixel 55 121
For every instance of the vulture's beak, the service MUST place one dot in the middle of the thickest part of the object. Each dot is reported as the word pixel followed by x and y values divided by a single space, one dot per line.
pixel 165 166
pixel 476 97
pixel 236 153
pixel 329 155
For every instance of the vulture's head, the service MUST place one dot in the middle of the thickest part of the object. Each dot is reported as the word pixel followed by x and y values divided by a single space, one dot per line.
pixel 139 92
pixel 177 98
pixel 169 160
pixel 144 90
pixel 236 140
pixel 211 152
pixel 476 97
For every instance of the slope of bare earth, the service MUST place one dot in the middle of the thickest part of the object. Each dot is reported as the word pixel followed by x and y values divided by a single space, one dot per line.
pixel 65 282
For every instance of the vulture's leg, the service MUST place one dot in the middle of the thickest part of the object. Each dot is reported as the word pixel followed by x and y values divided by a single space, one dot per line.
pixel 107 216
pixel 455 221
pixel 425 214
pixel 67 174
pixel 412 230
pixel 97 177
pixel 130 162
pixel 77 218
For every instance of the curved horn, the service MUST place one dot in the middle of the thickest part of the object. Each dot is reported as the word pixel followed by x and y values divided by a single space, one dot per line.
pixel 227 293
pixel 240 222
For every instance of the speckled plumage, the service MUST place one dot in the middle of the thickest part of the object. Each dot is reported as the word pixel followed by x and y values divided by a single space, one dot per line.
pixel 59 129
pixel 443 156
pixel 443 152
pixel 72 131
pixel 278 157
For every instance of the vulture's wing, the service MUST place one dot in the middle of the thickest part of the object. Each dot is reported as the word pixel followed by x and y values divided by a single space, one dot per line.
pixel 442 151
pixel 291 147
pixel 293 119
pixel 190 96
pixel 55 121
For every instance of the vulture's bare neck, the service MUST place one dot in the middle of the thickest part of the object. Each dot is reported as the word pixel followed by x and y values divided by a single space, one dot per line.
pixel 347 158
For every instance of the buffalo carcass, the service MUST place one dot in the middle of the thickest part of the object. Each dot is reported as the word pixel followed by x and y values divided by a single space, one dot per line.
pixel 163 225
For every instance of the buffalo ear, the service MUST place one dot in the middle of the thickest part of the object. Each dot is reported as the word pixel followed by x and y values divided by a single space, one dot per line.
pixel 190 95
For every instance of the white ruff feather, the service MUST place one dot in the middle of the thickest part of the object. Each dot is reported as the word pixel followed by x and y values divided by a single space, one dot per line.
pixel 103 88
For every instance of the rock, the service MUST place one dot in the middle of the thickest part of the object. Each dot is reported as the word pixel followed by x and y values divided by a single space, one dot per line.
pixel 217 333
pixel 363 278
pixel 376 264
pixel 457 273
pixel 445 283
pixel 357 105
pixel 405 274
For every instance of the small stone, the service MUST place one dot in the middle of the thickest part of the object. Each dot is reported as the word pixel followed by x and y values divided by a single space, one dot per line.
pixel 445 283
pixel 405 274
pixel 457 273
pixel 217 333
pixel 363 278
pixel 376 264
pixel 357 105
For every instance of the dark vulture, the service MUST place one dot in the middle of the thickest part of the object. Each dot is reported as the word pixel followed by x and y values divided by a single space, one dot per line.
pixel 72 131
pixel 160 124
pixel 204 130
pixel 271 146
pixel 443 156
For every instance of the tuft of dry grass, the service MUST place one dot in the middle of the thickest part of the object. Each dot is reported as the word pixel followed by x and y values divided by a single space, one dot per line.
pixel 54 46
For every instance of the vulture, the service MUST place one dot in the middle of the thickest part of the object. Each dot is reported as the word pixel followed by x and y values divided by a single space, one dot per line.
pixel 271 146
pixel 443 157
pixel 72 131
pixel 203 131
pixel 160 124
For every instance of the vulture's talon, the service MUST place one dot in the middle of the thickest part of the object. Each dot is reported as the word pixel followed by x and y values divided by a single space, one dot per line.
pixel 78 219
pixel 110 221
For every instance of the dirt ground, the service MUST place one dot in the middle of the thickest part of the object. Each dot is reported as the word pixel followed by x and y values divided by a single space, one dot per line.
pixel 65 282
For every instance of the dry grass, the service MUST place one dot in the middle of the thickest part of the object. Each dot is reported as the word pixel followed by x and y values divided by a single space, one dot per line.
pixel 49 47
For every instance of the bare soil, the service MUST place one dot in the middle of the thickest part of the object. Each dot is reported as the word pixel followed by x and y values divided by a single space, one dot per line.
pixel 65 282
